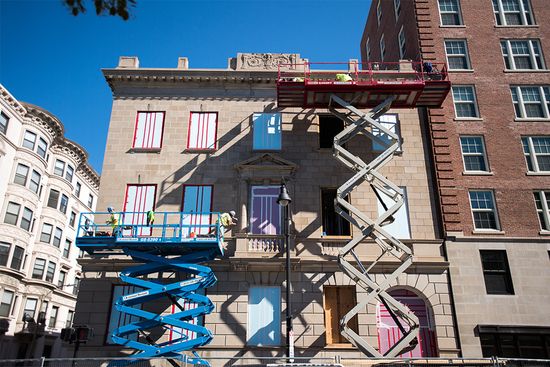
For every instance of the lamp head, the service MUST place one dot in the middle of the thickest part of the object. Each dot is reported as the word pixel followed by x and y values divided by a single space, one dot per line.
pixel 284 199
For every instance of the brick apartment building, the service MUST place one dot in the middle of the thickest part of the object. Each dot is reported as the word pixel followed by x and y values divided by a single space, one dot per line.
pixel 45 183
pixel 215 140
pixel 491 143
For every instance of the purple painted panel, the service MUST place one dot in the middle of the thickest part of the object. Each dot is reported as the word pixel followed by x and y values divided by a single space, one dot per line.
pixel 265 213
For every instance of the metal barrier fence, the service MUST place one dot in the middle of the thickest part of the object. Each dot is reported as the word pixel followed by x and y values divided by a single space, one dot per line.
pixel 279 361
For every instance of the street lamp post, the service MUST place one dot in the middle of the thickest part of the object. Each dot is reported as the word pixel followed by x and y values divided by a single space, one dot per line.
pixel 283 200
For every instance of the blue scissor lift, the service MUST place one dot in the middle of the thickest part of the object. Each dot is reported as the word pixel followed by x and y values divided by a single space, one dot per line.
pixel 176 242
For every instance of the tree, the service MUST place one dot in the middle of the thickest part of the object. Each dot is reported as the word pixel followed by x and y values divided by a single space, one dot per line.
pixel 109 7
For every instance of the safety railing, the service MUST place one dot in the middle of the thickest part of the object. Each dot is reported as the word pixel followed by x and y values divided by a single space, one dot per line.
pixel 162 226
pixel 357 73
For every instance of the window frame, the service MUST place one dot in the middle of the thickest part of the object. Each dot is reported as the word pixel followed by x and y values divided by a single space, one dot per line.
pixel 519 103
pixel 42 233
pixel 61 166
pixel 379 12
pixel 340 221
pixel 42 148
pixel 7 253
pixel 483 154
pixel 277 307
pixel 18 175
pixel 276 145
pixel 458 14
pixel 33 183
pixel 26 142
pixel 134 139
pixel 506 271
pixel 3 304
pixel 56 242
pixel 53 198
pixel 543 213
pixel 26 219
pixel 14 258
pixel 61 278
pixel 78 188
pixel 72 219
pixel 12 214
pixel 402 44
pixel 54 312
pixel 465 56
pixel 395 125
pixel 69 173
pixel 67 248
pixel 531 156
pixel 63 203
pixel 484 210
pixel 474 102
pixel 325 132
pixel 367 46
pixel 33 310
pixel 191 126
pixel 510 57
pixel 50 271
pixel 38 270
pixel 90 201
pixel 500 14
pixel 4 122
pixel 382 45
pixel 397 8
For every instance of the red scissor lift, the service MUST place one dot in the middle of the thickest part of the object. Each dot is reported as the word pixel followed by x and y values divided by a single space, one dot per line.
pixel 377 86
pixel 310 85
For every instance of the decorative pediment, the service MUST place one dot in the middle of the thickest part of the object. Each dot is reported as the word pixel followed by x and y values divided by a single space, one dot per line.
pixel 266 164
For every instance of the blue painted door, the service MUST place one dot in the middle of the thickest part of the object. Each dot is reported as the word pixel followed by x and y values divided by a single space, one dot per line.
pixel 264 316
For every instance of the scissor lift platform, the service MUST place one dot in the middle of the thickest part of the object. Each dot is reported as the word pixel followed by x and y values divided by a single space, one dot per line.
pixel 414 84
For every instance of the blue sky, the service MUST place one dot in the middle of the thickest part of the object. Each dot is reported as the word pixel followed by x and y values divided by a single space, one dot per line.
pixel 52 59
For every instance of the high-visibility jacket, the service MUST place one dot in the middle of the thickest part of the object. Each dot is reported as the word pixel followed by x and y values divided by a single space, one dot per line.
pixel 343 78
pixel 150 216
pixel 226 220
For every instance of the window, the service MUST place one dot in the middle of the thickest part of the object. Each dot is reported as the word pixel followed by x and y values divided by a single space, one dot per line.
pixel 70 317
pixel 34 184
pixel 514 341
pixel 264 316
pixel 542 202
pixel 30 307
pixel 69 173
pixel 400 228
pixel 12 213
pixel 531 101
pixel 483 210
pixel 59 168
pixel 266 131
pixel 379 12
pixel 496 272
pixel 53 199
pixel 333 223
pixel 67 248
pixel 4 120
pixel 537 153
pixel 26 219
pixel 457 54
pixel 29 140
pixel 473 154
pixel 46 234
pixel 512 12
pixel 450 12
pixel 4 253
pixel 76 285
pixel 50 272
pixel 397 8
pixel 62 278
pixel 149 130
pixel 383 140
pixel 57 237
pixel 63 204
pixel 265 213
pixel 72 219
pixel 117 318
pixel 522 55
pixel 382 48
pixel 329 127
pixel 368 49
pixel 402 43
pixel 77 189
pixel 53 317
pixel 202 132
pixel 17 258
pixel 140 199
pixel 39 267
pixel 5 304
pixel 90 201
pixel 465 101
pixel 42 148
pixel 21 174
pixel 197 199
pixel 337 302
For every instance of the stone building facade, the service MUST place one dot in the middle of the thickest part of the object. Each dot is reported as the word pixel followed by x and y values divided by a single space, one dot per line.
pixel 255 146
pixel 45 184
pixel 490 143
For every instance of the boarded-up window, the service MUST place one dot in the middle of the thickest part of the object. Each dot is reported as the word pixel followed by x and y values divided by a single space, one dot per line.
pixel 329 127
pixel 139 200
pixel 197 206
pixel 400 227
pixel 267 131
pixel 389 333
pixel 265 213
pixel 390 122
pixel 148 131
pixel 202 130
pixel 264 316
pixel 117 318
pixel 338 301
pixel 333 223
pixel 183 304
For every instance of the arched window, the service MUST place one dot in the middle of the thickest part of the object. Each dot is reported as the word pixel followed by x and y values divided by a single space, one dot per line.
pixel 389 333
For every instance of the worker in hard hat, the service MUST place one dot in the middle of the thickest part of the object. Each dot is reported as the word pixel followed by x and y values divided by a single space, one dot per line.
pixel 150 218
pixel 343 78
pixel 113 220
pixel 226 221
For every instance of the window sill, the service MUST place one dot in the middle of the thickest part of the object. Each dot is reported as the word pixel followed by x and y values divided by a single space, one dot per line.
pixel 461 71
pixel 144 150
pixel 488 231
pixel 198 151
pixel 477 173
pixel 329 237
pixel 544 233
pixel 531 119
pixel 537 174
pixel 339 346
pixel 452 26
pixel 467 119
pixel 523 71
pixel 517 26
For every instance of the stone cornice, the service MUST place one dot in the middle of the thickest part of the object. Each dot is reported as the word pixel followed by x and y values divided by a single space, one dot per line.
pixel 14 103
pixel 45 119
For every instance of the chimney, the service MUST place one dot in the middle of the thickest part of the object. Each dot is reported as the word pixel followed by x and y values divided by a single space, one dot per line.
pixel 128 62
